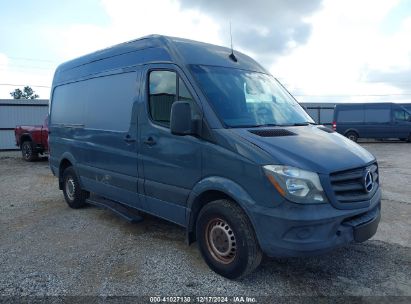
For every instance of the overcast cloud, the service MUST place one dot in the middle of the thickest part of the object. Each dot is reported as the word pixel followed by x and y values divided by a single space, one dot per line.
pixel 322 50
pixel 400 78
pixel 267 28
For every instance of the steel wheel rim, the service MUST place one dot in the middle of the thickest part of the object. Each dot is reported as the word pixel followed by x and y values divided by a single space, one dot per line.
pixel 70 188
pixel 221 241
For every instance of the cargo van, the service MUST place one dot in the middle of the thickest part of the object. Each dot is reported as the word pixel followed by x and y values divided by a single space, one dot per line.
pixel 372 120
pixel 207 139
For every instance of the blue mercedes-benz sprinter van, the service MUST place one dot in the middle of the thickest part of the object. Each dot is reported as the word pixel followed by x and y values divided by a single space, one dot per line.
pixel 208 139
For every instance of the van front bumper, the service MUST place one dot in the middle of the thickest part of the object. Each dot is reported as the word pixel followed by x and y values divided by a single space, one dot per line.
pixel 302 230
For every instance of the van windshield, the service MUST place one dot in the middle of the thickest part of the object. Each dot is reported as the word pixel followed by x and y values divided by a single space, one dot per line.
pixel 248 99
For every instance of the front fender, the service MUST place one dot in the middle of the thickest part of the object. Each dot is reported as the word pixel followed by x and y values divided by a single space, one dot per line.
pixel 221 184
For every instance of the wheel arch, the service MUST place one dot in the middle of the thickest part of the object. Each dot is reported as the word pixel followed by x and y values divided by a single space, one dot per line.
pixel 211 189
pixel 25 137
pixel 352 130
pixel 66 161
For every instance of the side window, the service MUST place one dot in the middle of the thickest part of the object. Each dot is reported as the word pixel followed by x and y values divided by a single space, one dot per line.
pixel 377 115
pixel 400 115
pixel 351 116
pixel 102 103
pixel 110 101
pixel 68 103
pixel 164 89
pixel 162 94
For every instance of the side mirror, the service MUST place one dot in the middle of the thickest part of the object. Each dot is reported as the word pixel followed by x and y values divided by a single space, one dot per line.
pixel 181 122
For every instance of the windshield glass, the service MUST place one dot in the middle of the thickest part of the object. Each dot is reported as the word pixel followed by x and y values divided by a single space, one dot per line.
pixel 248 99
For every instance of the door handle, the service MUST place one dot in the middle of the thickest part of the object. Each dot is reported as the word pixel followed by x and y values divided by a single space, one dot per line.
pixel 150 141
pixel 128 139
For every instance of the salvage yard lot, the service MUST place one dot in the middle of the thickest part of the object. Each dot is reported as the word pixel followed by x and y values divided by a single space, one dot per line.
pixel 46 248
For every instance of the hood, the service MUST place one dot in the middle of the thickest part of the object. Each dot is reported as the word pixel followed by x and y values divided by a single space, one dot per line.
pixel 310 149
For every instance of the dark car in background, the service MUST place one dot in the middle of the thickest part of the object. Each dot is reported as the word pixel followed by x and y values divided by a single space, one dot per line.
pixel 372 120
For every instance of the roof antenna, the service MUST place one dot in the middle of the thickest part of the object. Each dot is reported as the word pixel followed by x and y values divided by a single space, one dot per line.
pixel 232 56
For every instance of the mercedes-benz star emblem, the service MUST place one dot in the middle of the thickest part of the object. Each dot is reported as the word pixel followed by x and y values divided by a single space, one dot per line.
pixel 368 181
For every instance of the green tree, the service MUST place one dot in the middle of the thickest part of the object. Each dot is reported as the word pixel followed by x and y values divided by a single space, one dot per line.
pixel 27 93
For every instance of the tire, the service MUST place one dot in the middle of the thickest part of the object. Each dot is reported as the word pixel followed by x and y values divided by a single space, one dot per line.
pixel 227 240
pixel 27 151
pixel 352 135
pixel 73 194
pixel 409 138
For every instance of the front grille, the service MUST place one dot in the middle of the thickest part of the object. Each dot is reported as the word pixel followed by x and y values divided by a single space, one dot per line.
pixel 348 186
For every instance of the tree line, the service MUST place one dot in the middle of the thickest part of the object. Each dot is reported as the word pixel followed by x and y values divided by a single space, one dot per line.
pixel 26 93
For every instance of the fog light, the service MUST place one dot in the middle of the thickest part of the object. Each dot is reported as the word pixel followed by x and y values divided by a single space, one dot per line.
pixel 304 233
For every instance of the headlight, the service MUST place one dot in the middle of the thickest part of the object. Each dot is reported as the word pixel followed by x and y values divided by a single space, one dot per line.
pixel 297 185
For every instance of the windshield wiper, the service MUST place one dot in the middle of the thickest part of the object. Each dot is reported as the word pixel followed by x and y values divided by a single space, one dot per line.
pixel 306 123
pixel 253 126
pixel 267 125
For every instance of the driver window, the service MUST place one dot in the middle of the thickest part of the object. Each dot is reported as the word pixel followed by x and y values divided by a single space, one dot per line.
pixel 162 94
pixel 164 89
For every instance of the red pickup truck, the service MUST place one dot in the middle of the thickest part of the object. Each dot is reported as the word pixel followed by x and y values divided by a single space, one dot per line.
pixel 32 140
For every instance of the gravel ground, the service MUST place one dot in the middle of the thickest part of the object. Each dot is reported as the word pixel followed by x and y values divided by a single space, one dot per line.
pixel 46 248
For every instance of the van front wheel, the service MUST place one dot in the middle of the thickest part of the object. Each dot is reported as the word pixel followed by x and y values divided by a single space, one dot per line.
pixel 227 240
pixel 73 194
pixel 352 135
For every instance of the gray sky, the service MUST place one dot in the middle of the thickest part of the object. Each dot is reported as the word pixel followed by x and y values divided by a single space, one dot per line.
pixel 322 50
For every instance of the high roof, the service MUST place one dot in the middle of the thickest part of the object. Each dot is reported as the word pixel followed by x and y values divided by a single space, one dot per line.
pixel 150 49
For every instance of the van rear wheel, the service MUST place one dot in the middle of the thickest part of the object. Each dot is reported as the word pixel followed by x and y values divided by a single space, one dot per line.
pixel 73 194
pixel 352 135
pixel 227 240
